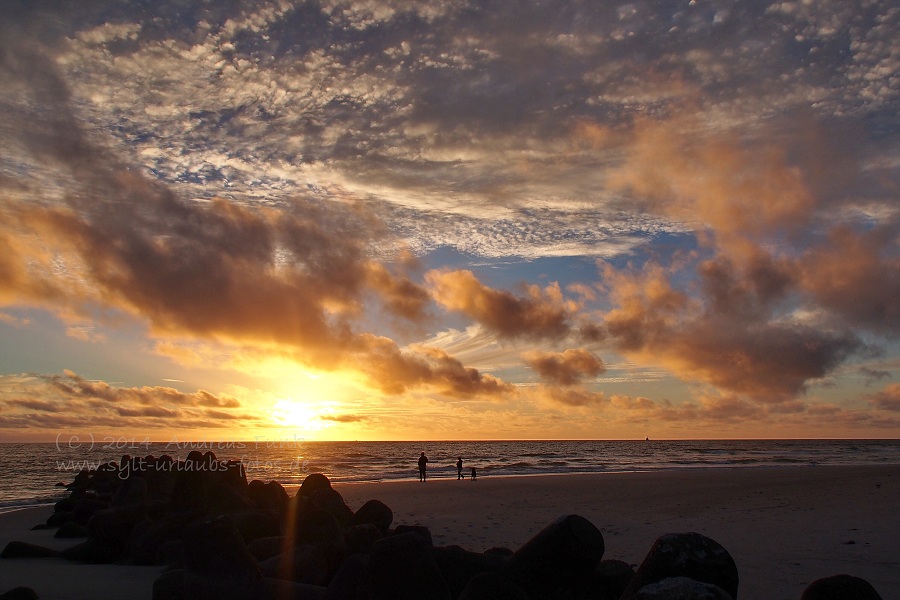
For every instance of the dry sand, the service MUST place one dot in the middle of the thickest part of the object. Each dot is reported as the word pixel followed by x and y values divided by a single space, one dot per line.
pixel 784 527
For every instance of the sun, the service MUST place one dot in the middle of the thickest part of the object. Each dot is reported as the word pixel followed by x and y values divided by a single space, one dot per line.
pixel 298 414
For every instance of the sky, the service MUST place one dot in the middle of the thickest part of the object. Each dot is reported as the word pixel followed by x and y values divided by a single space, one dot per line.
pixel 461 219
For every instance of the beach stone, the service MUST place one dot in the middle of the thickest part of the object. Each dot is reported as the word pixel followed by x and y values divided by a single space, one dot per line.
pixel 419 530
pixel 315 526
pixel 560 560
pixel 71 530
pixel 499 551
pixel 280 589
pixel 91 551
pixel 352 581
pixel 85 508
pixel 226 499
pixel 19 593
pixel 458 566
pixel 217 564
pixel 331 501
pixel 303 564
pixel 374 512
pixel 170 553
pixel 492 586
pixel 361 538
pixel 149 535
pixel 840 587
pixel 686 555
pixel 59 518
pixel 681 588
pixel 256 523
pixel 17 549
pixel 169 585
pixel 271 495
pixel 403 568
pixel 312 483
pixel 113 526
pixel 264 548
pixel 609 580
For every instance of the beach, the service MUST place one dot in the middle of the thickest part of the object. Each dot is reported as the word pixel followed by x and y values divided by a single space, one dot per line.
pixel 784 527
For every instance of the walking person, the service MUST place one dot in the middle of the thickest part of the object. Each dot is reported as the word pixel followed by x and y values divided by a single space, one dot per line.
pixel 459 474
pixel 423 465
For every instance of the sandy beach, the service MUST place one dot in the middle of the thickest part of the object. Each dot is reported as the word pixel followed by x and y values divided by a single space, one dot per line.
pixel 784 527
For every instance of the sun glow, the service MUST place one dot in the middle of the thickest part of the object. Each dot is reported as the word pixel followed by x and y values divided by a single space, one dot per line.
pixel 303 415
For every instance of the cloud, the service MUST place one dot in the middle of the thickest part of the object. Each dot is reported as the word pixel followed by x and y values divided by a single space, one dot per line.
pixel 887 399
pixel 564 368
pixel 541 313
pixel 67 402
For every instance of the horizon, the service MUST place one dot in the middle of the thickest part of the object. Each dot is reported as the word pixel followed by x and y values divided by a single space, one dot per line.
pixel 356 220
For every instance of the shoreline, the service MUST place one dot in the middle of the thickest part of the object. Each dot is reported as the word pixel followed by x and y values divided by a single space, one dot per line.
pixel 784 526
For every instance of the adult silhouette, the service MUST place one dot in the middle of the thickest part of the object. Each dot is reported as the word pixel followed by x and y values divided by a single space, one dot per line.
pixel 423 465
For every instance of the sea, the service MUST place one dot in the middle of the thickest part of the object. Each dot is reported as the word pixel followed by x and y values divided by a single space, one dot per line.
pixel 35 473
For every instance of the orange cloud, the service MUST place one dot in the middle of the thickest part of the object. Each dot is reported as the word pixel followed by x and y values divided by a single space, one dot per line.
pixel 886 399
pixel 542 313
pixel 564 368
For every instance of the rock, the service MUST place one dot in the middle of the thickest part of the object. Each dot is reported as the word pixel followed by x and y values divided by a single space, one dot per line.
pixel 71 530
pixel 352 581
pixel 403 568
pixel 148 536
pixel 498 551
pixel 269 495
pixel 361 538
pixel 85 508
pixel 315 526
pixel 19 593
pixel 458 566
pixel 91 551
pixel 170 553
pixel 57 519
pixel 609 580
pixel 217 564
pixel 264 548
pixel 686 555
pixel 256 523
pixel 312 483
pixel 419 530
pixel 279 589
pixel 376 513
pixel 302 564
pixel 331 501
pixel 559 561
pixel 113 526
pixel 169 585
pixel 25 550
pixel 840 587
pixel 492 586
pixel 681 588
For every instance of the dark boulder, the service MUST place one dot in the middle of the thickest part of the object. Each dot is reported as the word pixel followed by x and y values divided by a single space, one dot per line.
pixel 559 561
pixel 264 548
pixel 302 564
pixel 217 564
pixel 609 580
pixel 492 586
pixel 19 593
pixel 840 587
pixel 315 526
pixel 689 555
pixel 420 530
pixel 331 501
pixel 71 530
pixel 25 550
pixel 352 581
pixel 374 512
pixel 312 483
pixel 458 566
pixel 169 585
pixel 269 495
pixel 92 551
pixel 681 588
pixel 403 568
pixel 361 538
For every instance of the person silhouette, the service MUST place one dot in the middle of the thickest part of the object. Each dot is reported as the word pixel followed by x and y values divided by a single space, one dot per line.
pixel 459 474
pixel 423 465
